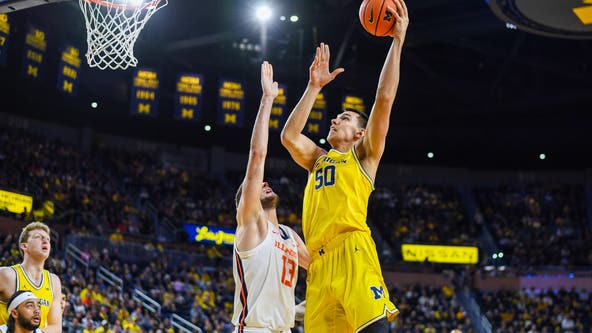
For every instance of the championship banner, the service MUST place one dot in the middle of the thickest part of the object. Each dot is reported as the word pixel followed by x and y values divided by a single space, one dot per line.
pixel 277 119
pixel 353 102
pixel 188 97
pixel 69 70
pixel 144 98
pixel 4 34
pixel 231 102
pixel 15 202
pixel 317 122
pixel 34 52
pixel 444 254
pixel 209 235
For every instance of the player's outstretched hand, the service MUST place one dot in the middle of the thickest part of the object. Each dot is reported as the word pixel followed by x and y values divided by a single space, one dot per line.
pixel 402 19
pixel 319 69
pixel 269 87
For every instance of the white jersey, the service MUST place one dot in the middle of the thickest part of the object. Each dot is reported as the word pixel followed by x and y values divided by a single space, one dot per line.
pixel 265 278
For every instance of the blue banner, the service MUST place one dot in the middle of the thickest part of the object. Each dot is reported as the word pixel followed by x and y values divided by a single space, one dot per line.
pixel 144 98
pixel 278 110
pixel 4 34
pixel 209 235
pixel 353 102
pixel 188 97
pixel 34 52
pixel 317 120
pixel 231 102
pixel 69 70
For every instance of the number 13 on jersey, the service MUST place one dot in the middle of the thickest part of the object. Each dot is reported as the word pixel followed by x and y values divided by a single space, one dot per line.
pixel 288 271
pixel 325 177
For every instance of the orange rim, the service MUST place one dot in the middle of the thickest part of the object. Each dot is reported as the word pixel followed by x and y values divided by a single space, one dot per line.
pixel 111 4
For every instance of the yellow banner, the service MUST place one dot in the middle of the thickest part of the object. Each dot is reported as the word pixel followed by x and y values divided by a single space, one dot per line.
pixel 444 254
pixel 15 202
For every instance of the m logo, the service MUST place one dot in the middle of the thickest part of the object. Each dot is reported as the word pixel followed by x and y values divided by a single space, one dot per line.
pixel 378 291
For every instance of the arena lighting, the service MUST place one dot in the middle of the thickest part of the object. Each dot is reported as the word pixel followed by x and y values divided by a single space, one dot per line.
pixel 294 18
pixel 542 156
pixel 500 255
pixel 207 128
pixel 263 13
pixel 322 141
pixel 282 18
pixel 94 105
pixel 430 155
pixel 494 256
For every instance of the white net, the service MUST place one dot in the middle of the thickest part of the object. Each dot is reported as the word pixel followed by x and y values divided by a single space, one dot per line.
pixel 112 29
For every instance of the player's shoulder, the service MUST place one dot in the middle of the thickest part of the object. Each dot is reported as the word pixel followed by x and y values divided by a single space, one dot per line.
pixel 55 280
pixel 7 273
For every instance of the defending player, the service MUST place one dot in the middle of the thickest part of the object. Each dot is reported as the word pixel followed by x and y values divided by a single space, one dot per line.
pixel 266 254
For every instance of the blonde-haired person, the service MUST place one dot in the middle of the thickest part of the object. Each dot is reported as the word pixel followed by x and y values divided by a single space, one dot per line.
pixel 35 247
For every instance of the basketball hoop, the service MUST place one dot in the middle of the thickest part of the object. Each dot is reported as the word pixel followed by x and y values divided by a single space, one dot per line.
pixel 112 28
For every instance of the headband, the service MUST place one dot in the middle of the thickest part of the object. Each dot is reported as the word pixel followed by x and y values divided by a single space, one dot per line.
pixel 19 299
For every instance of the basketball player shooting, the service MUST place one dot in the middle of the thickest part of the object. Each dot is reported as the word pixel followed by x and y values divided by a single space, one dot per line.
pixel 345 288
pixel 266 253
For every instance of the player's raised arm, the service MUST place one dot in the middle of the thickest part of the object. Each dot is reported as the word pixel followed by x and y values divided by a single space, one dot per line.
pixel 302 149
pixel 54 316
pixel 249 209
pixel 303 255
pixel 373 143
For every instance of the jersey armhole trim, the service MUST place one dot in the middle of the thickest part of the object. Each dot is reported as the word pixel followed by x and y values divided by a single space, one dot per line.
pixel 362 168
pixel 248 253
pixel 310 172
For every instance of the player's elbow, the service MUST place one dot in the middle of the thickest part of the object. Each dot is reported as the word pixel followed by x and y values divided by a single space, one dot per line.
pixel 288 140
pixel 385 96
pixel 257 154
pixel 384 102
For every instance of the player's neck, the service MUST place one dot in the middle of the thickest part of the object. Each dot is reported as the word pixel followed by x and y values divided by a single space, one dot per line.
pixel 272 216
pixel 33 268
pixel 343 147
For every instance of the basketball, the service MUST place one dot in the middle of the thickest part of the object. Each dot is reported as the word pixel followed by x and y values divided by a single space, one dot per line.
pixel 375 18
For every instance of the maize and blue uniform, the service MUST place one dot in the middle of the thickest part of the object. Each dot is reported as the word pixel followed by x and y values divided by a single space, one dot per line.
pixel 44 291
pixel 345 289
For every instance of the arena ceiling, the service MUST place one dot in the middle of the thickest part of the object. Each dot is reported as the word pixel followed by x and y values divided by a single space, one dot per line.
pixel 473 90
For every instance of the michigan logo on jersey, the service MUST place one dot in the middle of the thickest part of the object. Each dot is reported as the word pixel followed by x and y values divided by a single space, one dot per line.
pixel 378 291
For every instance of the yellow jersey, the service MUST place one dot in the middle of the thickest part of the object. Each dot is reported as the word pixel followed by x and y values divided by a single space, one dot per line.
pixel 43 291
pixel 335 198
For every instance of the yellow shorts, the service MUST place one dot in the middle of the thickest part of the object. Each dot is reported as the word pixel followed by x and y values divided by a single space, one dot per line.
pixel 345 290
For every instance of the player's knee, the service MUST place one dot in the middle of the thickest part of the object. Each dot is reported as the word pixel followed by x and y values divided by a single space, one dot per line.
pixel 380 326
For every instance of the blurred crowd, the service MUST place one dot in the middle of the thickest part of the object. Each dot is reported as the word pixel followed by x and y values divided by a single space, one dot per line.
pixel 539 225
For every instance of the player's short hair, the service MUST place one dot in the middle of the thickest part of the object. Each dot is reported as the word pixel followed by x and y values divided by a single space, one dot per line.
pixel 24 237
pixel 362 116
